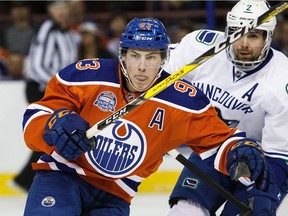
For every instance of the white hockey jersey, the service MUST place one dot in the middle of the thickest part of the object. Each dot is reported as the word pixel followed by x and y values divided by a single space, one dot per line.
pixel 256 102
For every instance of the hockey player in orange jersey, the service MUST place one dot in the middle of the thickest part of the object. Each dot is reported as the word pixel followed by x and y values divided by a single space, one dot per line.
pixel 100 176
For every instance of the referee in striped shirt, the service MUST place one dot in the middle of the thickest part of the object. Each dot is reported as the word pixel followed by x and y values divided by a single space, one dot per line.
pixel 53 47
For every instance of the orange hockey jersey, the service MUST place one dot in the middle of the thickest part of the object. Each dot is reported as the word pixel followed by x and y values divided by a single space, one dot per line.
pixel 132 147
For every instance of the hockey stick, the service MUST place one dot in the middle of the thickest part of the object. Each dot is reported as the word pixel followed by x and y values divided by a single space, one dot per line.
pixel 179 74
pixel 217 187
pixel 95 129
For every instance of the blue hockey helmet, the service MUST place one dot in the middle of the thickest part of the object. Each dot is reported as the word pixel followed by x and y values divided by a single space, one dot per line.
pixel 145 33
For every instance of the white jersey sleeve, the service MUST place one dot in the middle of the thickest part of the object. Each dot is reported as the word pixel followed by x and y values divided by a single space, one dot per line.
pixel 275 104
pixel 191 47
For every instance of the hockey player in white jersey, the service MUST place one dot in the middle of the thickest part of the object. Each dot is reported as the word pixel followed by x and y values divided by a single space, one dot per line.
pixel 248 85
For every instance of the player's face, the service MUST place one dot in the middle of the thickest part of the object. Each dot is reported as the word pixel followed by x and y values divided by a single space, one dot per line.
pixel 142 67
pixel 249 47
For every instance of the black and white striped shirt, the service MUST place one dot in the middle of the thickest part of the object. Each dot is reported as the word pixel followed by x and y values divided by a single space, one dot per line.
pixel 50 51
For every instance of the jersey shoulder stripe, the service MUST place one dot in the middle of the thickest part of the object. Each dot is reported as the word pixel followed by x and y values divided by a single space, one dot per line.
pixel 90 70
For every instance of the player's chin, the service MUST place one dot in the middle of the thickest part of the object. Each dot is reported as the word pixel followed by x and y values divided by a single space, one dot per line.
pixel 141 86
pixel 245 58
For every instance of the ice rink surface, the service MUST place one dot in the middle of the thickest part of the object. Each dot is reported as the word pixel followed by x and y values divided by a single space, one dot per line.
pixel 142 205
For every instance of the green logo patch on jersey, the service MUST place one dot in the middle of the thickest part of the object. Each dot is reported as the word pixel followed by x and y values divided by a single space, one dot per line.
pixel 287 88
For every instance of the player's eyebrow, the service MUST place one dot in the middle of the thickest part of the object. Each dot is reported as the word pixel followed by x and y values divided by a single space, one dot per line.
pixel 152 52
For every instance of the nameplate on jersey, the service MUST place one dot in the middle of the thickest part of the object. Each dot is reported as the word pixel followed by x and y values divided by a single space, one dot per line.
pixel 120 149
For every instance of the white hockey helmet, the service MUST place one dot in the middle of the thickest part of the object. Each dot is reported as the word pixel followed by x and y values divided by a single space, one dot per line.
pixel 240 15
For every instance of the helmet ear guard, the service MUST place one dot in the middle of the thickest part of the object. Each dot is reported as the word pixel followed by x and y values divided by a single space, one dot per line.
pixel 242 14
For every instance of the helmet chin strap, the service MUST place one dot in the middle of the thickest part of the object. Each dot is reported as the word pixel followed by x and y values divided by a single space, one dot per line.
pixel 124 71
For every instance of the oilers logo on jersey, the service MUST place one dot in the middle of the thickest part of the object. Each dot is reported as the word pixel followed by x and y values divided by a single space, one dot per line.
pixel 106 101
pixel 120 149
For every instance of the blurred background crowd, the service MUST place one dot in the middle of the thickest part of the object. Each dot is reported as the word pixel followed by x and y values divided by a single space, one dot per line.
pixel 99 23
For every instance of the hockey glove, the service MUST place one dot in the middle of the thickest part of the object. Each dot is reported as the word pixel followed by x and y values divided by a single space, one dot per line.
pixel 66 131
pixel 262 203
pixel 265 203
pixel 246 159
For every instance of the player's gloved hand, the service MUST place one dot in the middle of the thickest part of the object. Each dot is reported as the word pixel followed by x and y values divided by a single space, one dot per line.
pixel 66 130
pixel 246 159
pixel 265 203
